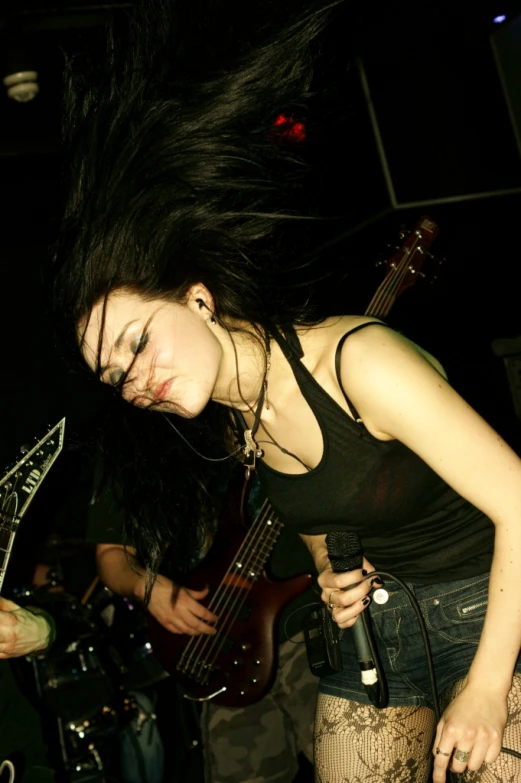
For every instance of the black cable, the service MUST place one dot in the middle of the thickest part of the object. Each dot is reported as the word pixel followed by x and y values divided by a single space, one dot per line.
pixel 511 752
pixel 378 693
pixel 318 603
pixel 423 631
pixel 208 459
pixel 428 654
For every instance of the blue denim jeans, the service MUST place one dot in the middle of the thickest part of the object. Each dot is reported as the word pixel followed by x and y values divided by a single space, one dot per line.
pixel 453 612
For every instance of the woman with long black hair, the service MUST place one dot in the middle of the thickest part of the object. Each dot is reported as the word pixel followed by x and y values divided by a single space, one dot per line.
pixel 173 276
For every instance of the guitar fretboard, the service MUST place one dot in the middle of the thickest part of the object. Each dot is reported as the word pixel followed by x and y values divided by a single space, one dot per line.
pixel 258 545
pixel 19 485
pixel 7 534
pixel 200 652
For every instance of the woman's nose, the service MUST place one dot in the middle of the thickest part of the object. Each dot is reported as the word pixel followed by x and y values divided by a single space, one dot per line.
pixel 136 389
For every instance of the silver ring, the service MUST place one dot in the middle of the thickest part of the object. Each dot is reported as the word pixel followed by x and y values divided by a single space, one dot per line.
pixel 461 755
pixel 441 753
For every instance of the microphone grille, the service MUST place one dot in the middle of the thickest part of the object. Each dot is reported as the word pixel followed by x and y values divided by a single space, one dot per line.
pixel 344 550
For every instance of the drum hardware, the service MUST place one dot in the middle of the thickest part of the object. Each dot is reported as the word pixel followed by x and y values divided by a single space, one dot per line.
pixel 86 679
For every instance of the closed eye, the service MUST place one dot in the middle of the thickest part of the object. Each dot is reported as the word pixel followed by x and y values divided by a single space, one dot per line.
pixel 115 377
pixel 139 347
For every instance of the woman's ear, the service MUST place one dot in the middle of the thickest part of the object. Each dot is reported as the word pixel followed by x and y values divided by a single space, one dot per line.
pixel 200 299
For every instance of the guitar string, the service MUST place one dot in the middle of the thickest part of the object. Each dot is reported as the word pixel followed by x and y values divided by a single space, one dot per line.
pixel 401 268
pixel 259 520
pixel 241 595
pixel 223 590
pixel 9 526
pixel 239 599
pixel 237 594
pixel 227 590
pixel 395 279
pixel 18 478
pixel 400 271
pixel 393 283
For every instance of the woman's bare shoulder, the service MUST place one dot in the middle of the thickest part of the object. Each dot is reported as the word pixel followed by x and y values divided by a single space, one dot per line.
pixel 319 340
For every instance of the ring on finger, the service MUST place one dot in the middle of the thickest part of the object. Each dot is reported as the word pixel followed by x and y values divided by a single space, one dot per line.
pixel 441 753
pixel 461 755
pixel 331 605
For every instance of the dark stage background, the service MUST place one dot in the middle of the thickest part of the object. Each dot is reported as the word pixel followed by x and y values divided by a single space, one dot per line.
pixel 416 112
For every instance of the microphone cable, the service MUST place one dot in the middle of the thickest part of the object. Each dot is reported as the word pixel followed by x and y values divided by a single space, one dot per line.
pixel 453 776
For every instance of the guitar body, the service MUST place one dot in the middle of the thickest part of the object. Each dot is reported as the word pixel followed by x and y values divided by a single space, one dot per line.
pixel 237 666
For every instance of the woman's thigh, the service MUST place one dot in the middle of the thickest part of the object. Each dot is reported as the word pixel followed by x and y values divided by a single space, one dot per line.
pixel 506 768
pixel 356 742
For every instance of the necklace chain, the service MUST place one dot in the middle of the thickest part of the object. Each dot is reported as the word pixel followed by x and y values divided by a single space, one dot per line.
pixel 268 365
pixel 250 448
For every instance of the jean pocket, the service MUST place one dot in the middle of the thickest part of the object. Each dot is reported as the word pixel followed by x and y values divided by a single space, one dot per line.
pixel 387 626
pixel 459 614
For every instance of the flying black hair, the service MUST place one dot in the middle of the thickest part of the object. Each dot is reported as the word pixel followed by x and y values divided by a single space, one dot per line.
pixel 177 174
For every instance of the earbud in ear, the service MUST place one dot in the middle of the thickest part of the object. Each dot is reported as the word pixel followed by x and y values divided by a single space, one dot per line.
pixel 201 304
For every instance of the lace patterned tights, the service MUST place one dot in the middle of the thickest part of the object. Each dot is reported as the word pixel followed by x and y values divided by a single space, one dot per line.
pixel 355 743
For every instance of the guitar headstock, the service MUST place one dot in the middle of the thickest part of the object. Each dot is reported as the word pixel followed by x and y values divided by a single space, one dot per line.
pixel 405 265
pixel 20 483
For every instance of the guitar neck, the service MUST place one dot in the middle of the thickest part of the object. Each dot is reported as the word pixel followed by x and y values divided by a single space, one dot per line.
pixel 7 535
pixel 257 546
pixel 387 292
pixel 19 485
pixel 404 267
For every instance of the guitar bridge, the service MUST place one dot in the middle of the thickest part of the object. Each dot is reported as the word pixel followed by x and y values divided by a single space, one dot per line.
pixel 200 669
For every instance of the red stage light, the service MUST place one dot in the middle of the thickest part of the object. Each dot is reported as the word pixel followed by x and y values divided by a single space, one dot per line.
pixel 289 129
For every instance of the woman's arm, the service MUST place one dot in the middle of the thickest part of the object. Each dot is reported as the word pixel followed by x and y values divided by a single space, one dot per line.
pixel 399 394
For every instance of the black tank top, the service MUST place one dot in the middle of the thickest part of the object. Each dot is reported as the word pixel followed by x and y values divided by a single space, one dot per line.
pixel 409 520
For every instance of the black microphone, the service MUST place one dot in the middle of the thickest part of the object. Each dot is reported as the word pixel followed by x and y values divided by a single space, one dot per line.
pixel 345 554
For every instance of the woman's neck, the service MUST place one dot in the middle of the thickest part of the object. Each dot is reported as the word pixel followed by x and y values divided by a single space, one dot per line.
pixel 245 360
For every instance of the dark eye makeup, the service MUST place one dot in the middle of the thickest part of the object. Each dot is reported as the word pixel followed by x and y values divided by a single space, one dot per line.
pixel 139 346
pixel 115 377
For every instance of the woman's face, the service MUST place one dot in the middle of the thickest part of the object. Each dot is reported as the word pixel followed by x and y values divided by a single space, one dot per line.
pixel 170 350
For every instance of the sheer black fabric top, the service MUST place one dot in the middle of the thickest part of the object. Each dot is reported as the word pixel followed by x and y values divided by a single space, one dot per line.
pixel 409 520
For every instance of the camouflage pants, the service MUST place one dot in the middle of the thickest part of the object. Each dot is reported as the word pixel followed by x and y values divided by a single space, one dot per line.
pixel 260 743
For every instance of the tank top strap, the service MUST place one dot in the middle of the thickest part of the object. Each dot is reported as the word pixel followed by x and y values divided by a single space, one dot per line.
pixel 338 355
